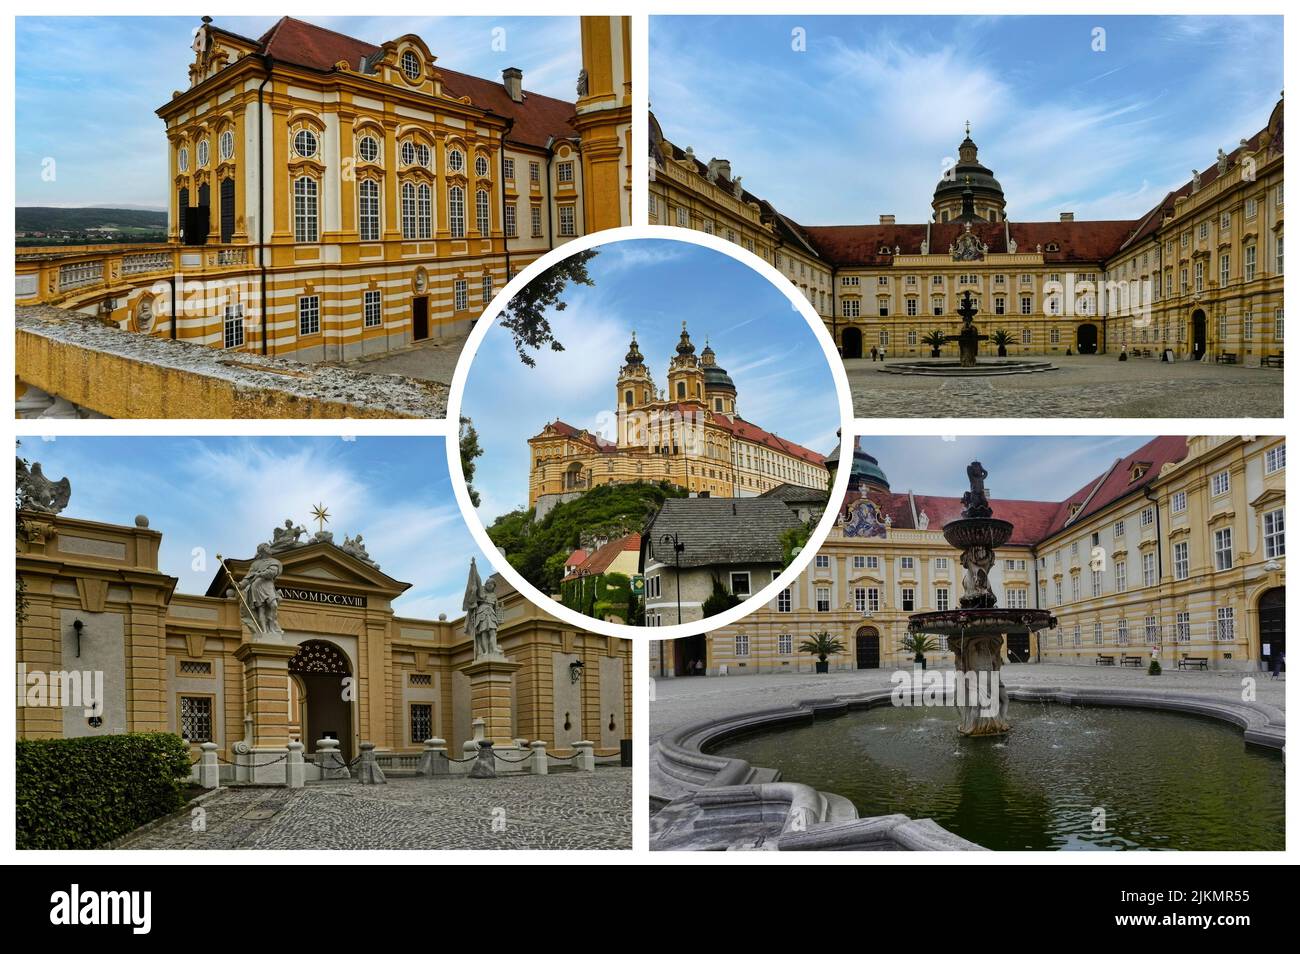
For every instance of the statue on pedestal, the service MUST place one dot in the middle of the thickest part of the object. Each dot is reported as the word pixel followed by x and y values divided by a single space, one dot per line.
pixel 260 606
pixel 286 537
pixel 483 614
pixel 975 503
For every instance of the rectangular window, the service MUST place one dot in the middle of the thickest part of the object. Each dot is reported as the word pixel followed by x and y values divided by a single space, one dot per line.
pixel 859 562
pixel 537 221
pixel 1178 502
pixel 309 315
pixel 1096 583
pixel 1182 565
pixel 908 599
pixel 852 308
pixel 1274 534
pixel 508 166
pixel 1220 484
pixel 1275 459
pixel 907 563
pixel 1226 628
pixel 421 722
pixel 742 644
pixel 372 309
pixel 1148 516
pixel 785 644
pixel 1148 569
pixel 823 599
pixel 1121 633
pixel 860 599
pixel 1096 633
pixel 568 221
pixel 233 327
pixel 740 584
pixel 534 172
pixel 305 220
pixel 1249 270
pixel 456 211
pixel 564 172
pixel 460 294
pixel 1119 529
pixel 369 217
pixel 822 561
pixel 1121 576
pixel 512 225
pixel 196 718
pixel 941 598
pixel 941 563
pixel 487 289
pixel 783 601
pixel 1151 625
pixel 1183 627
pixel 873 563
pixel 1223 549
pixel 1017 598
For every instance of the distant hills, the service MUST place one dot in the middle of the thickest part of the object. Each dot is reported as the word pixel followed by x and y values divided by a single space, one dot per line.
pixel 38 218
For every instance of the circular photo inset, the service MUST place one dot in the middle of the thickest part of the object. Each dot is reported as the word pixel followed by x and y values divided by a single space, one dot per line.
pixel 650 433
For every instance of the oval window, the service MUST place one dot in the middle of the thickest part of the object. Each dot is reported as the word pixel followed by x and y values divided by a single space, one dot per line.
pixel 369 148
pixel 304 144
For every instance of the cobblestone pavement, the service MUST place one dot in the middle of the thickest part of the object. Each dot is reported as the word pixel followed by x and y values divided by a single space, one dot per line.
pixel 696 698
pixel 567 810
pixel 431 360
pixel 1082 386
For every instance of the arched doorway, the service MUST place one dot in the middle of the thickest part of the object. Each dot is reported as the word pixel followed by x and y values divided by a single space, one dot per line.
pixel 1086 339
pixel 690 656
pixel 573 479
pixel 1272 626
pixel 1198 334
pixel 868 648
pixel 321 669
pixel 852 343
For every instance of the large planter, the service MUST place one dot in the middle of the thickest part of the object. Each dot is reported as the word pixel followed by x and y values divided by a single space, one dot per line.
pixel 920 660
pixel 934 352
pixel 1002 352
pixel 823 666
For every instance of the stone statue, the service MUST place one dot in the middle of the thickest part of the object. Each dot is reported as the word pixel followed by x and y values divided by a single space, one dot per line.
pixel 1196 180
pixel 353 546
pixel 260 608
pixel 286 537
pixel 582 83
pixel 974 502
pixel 1222 162
pixel 1011 246
pixel 483 614
pixel 923 521
pixel 925 246
pixel 38 492
pixel 975 588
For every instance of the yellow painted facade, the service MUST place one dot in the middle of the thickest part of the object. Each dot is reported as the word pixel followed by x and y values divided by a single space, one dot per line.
pixel 184 663
pixel 689 434
pixel 1166 589
pixel 1200 274
pixel 357 206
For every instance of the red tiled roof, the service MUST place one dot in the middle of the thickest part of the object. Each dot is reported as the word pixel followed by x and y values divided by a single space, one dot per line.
pixel 744 430
pixel 1075 241
pixel 578 434
pixel 576 558
pixel 537 119
pixel 600 561
pixel 1036 521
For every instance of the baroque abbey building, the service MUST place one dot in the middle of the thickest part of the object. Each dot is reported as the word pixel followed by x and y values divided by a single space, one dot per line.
pixel 1199 274
pixel 330 198
pixel 1176 552
pixel 689 434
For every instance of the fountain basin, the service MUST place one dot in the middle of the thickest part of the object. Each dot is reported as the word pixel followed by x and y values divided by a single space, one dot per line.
pixel 959 623
pixel 953 369
pixel 968 532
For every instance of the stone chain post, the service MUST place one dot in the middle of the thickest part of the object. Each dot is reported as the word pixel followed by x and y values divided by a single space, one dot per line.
pixel 295 770
pixel 368 771
pixel 209 770
pixel 586 760
pixel 537 764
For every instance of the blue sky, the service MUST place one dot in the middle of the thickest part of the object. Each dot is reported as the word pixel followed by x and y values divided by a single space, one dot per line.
pixel 650 286
pixel 1020 468
pixel 860 123
pixel 226 494
pixel 87 88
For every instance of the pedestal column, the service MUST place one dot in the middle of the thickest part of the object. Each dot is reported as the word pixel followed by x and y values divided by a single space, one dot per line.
pixel 266 699
pixel 984 708
pixel 489 694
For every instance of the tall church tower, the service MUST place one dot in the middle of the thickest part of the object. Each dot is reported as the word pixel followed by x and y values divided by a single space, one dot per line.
pixel 719 389
pixel 636 390
pixel 968 192
pixel 685 376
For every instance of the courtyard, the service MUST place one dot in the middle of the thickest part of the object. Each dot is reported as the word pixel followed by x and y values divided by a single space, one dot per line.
pixel 563 810
pixel 1081 386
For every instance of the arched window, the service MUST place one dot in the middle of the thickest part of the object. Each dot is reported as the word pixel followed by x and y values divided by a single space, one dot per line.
pixel 408 210
pixel 205 195
pixel 455 160
pixel 202 153
pixel 408 153
pixel 481 209
pixel 481 166
pixel 368 219
pixel 456 211
pixel 306 222
pixel 368 148
pixel 227 144
pixel 183 160
pixel 305 143
pixel 424 211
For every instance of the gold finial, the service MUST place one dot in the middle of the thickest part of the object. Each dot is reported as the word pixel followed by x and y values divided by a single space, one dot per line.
pixel 968 127
pixel 320 513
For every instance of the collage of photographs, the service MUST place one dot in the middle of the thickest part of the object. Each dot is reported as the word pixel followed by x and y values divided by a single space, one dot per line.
pixel 428 441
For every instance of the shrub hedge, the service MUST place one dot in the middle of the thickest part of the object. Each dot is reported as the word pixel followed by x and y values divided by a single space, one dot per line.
pixel 83 793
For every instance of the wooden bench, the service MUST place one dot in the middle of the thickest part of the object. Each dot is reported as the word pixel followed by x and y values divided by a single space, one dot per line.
pixel 1133 662
pixel 1194 662
pixel 1105 660
pixel 1227 357
pixel 1271 361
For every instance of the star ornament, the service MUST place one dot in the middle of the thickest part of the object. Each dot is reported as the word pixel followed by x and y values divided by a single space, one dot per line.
pixel 321 514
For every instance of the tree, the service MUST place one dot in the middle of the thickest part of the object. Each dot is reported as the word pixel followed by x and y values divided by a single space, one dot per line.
pixel 720 600
pixel 918 644
pixel 525 315
pixel 935 339
pixel 821 645
pixel 1001 338
pixel 469 451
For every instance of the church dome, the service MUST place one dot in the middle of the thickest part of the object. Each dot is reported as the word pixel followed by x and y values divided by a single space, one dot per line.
pixel 684 345
pixel 634 356
pixel 969 174
pixel 865 473
pixel 717 379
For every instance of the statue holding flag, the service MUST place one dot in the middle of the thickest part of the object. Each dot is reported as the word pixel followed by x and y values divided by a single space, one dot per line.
pixel 483 614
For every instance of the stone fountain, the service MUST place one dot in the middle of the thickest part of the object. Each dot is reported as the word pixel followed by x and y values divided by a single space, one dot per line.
pixel 968 342
pixel 976 629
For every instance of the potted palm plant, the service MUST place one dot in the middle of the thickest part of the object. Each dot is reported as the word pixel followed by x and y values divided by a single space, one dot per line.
pixel 935 339
pixel 918 644
pixel 822 645
pixel 1001 338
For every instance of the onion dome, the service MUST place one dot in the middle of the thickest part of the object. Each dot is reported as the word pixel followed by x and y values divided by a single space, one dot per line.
pixel 633 356
pixel 865 473
pixel 684 345
pixel 968 173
